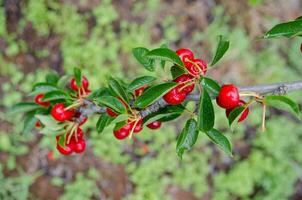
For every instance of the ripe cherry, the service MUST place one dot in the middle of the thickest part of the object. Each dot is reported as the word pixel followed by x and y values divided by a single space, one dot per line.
pixel 123 132
pixel 185 55
pixel 59 113
pixel 111 113
pixel 38 124
pixel 154 125
pixel 66 150
pixel 139 91
pixel 201 70
pixel 85 84
pixel 79 134
pixel 78 146
pixel 138 126
pixel 228 96
pixel 185 78
pixel 175 97
pixel 38 100
pixel 243 116
pixel 301 47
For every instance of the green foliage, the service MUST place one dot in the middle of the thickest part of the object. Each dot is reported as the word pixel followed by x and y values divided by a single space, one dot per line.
pixel 222 47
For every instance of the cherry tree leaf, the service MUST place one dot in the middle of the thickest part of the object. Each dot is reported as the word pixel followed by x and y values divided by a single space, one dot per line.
pixel 222 47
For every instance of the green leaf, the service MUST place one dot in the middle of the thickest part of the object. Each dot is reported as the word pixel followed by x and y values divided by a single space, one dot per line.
pixel 62 139
pixel 52 78
pixel 177 71
pixel 166 55
pixel 235 114
pixel 299 18
pixel 103 121
pixel 55 95
pixel 62 82
pixel 162 62
pixel 43 88
pixel 119 125
pixel 152 94
pixel 29 122
pixel 113 103
pixel 50 131
pixel 223 46
pixel 118 90
pixel 49 122
pixel 272 99
pixel 23 107
pixel 211 86
pixel 98 93
pixel 140 54
pixel 78 76
pixel 218 138
pixel 140 81
pixel 206 117
pixel 287 29
pixel 165 114
pixel 187 137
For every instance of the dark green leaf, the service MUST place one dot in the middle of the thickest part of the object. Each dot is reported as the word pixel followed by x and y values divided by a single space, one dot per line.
pixel 152 94
pixel 162 62
pixel 55 95
pixel 140 55
pixel 287 29
pixel 219 139
pixel 211 86
pixel 113 103
pixel 29 122
pixel 187 137
pixel 177 71
pixel 299 18
pixel 140 81
pixel 23 107
pixel 166 55
pixel 271 100
pixel 118 90
pixel 78 76
pixel 223 46
pixel 235 114
pixel 43 88
pixel 52 78
pixel 167 113
pixel 103 121
pixel 206 117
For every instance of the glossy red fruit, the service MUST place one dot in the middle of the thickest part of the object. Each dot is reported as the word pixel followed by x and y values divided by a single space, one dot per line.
pixel 301 47
pixel 154 125
pixel 123 132
pixel 139 91
pixel 79 146
pixel 85 84
pixel 111 113
pixel 38 100
pixel 228 96
pixel 38 124
pixel 66 150
pixel 201 70
pixel 174 97
pixel 59 113
pixel 138 127
pixel 184 78
pixel 243 115
pixel 185 55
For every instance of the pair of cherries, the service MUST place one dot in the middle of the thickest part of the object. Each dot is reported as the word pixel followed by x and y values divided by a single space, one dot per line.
pixel 229 99
pixel 76 144
pixel 125 130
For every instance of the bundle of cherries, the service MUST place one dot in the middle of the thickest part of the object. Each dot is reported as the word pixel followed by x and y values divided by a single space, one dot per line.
pixel 229 99
pixel 186 82
pixel 74 139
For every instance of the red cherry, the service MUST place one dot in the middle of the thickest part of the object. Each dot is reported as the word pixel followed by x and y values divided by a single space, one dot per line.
pixel 123 132
pixel 79 147
pixel 66 150
pixel 184 78
pixel 139 91
pixel 138 126
pixel 154 125
pixel 243 115
pixel 301 47
pixel 38 100
pixel 228 96
pixel 59 113
pixel 202 67
pixel 184 55
pixel 38 124
pixel 111 113
pixel 175 97
pixel 85 84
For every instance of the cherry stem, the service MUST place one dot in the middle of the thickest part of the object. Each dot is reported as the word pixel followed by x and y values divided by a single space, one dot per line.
pixel 186 83
pixel 250 94
pixel 263 116
pixel 72 131
pixel 131 132
pixel 195 64
pixel 76 104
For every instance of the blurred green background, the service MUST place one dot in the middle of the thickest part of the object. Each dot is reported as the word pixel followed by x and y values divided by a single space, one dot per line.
pixel 39 36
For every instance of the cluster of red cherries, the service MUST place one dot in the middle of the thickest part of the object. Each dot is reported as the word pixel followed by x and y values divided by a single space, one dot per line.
pixel 134 124
pixel 74 140
pixel 186 82
pixel 229 99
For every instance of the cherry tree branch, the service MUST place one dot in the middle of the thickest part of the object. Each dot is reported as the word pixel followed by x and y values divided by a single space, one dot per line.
pixel 277 89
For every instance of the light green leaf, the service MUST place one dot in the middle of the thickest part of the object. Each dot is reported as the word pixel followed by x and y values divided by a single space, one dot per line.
pixel 140 55
pixel 287 29
pixel 23 107
pixel 272 99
